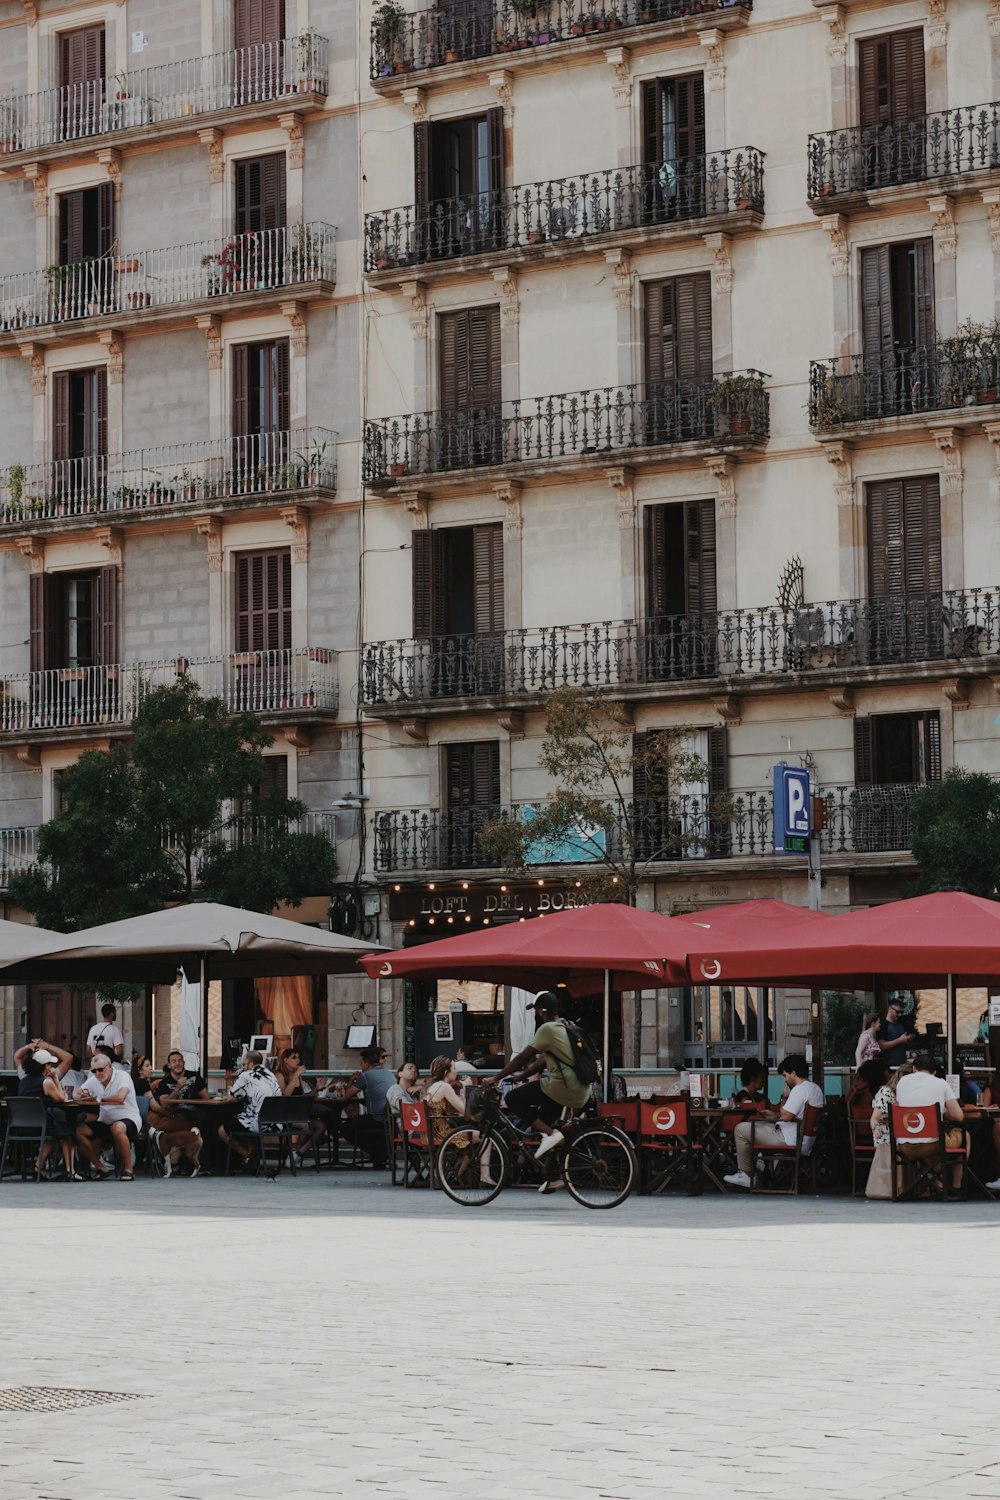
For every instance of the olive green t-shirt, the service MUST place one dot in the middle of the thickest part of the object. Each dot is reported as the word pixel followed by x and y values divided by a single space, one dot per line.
pixel 559 1082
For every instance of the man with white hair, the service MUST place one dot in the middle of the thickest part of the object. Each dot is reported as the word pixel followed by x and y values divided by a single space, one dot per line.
pixel 118 1120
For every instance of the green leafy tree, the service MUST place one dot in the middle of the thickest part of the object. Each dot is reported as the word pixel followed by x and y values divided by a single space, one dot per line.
pixel 955 834
pixel 592 818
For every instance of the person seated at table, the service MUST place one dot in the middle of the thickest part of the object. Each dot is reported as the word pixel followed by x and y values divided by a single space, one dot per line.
pixel 780 1125
pixel 118 1121
pixel 879 1184
pixel 868 1042
pixel 463 1063
pixel 255 1084
pixel 176 1133
pixel 293 1083
pixel 371 1085
pixel 405 1090
pixel 41 1069
pixel 753 1085
pixel 865 1085
pixel 923 1087
pixel 142 1075
pixel 443 1096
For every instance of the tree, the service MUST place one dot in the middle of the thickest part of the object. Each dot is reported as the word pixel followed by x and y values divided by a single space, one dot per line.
pixel 187 803
pixel 955 834
pixel 593 818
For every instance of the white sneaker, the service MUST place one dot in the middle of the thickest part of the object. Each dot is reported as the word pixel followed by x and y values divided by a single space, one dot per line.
pixel 738 1179
pixel 549 1143
pixel 993 1187
pixel 552 1186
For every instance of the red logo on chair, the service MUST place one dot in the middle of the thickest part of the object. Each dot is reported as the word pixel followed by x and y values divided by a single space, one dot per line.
pixel 915 1122
pixel 410 1116
pixel 663 1120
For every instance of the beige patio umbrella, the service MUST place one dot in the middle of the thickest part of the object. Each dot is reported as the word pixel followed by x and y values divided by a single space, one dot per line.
pixel 18 940
pixel 204 939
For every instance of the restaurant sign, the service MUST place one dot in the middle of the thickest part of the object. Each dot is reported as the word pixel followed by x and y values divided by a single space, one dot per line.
pixel 416 902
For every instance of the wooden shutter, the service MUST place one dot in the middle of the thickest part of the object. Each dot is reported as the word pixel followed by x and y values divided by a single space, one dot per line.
pixel 659 322
pixel 469 358
pixel 877 332
pixel 105 218
pixel 429 584
pixel 930 757
pixel 82 57
pixel 96 424
pixel 281 375
pixel 70 228
pixel 487 553
pixel 678 332
pixel 45 614
pixel 258 21
pixel 923 291
pixel 904 537
pixel 654 522
pixel 261 194
pixel 891 82
pixel 263 600
pixel 486 773
pixel 699 558
pixel 241 390
pixel 61 435
pixel 107 610
pixel 864 752
pixel 718 761
pixel 640 778
pixel 494 132
pixel 652 121
pixel 689 113
pixel 422 165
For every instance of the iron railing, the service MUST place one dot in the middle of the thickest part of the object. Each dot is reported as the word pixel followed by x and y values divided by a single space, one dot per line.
pixel 740 825
pixel 268 72
pixel 260 682
pixel 902 382
pixel 567 209
pixel 960 625
pixel 859 159
pixel 106 285
pixel 430 38
pixel 18 853
pixel 178 474
pixel 724 410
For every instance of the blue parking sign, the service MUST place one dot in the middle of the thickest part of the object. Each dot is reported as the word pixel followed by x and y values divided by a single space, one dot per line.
pixel 792 810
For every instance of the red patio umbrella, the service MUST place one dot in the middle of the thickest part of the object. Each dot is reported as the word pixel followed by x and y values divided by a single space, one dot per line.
pixel 753 919
pixel 630 949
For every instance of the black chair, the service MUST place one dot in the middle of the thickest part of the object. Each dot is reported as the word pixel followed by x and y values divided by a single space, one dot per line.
pixel 279 1120
pixel 27 1126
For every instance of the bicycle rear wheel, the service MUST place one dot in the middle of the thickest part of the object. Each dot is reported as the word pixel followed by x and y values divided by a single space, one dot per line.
pixel 465 1158
pixel 600 1167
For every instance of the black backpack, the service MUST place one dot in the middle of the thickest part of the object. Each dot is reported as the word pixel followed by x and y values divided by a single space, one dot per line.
pixel 586 1061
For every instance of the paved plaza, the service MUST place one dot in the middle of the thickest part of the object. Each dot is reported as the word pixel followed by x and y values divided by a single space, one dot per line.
pixel 333 1337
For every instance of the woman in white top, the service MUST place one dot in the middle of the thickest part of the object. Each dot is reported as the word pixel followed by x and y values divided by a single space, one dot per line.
pixel 868 1046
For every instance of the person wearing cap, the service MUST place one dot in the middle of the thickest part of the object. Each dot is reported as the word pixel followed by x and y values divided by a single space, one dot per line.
pixel 118 1120
pixel 893 1037
pixel 106 1030
pixel 41 1067
pixel 541 1101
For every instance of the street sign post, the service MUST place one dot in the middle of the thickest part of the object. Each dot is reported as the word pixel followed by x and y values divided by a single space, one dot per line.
pixel 792 810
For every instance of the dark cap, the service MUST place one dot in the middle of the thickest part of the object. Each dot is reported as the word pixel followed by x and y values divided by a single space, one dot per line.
pixel 547 1000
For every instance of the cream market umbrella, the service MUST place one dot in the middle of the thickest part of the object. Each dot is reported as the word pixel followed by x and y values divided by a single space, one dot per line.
pixel 19 941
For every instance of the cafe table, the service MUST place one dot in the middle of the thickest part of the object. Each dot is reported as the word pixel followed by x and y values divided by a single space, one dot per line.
pixel 712 1127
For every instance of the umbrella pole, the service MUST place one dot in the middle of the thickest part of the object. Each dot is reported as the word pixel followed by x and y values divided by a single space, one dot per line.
pixel 952 1022
pixel 607 1035
pixel 203 1002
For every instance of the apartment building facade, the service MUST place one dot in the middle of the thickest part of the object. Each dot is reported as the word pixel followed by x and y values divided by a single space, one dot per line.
pixel 179 365
pixel 683 387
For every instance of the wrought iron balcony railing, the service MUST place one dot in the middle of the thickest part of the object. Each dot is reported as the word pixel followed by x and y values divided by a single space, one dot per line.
pixel 860 159
pixel 104 286
pixel 902 382
pixel 725 410
pixel 152 479
pixel 566 210
pixel 961 625
pixel 401 43
pixel 859 820
pixel 18 853
pixel 276 72
pixel 260 682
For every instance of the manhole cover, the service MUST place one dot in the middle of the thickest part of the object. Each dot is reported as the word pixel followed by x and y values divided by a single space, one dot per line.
pixel 49 1398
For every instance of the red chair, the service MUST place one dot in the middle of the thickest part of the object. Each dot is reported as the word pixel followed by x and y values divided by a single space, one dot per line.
pixel 623 1112
pixel 418 1151
pixel 666 1149
pixel 929 1160
pixel 789 1154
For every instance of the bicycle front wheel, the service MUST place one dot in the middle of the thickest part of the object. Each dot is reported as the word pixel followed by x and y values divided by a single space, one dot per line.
pixel 473 1166
pixel 600 1167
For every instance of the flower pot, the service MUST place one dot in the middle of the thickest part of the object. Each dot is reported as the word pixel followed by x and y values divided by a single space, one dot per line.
pixel 451 56
pixel 987 396
pixel 739 426
pixel 396 471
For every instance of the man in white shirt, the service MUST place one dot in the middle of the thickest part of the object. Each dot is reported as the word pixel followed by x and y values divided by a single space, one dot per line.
pixel 922 1087
pixel 118 1121
pixel 255 1084
pixel 782 1124
pixel 108 1031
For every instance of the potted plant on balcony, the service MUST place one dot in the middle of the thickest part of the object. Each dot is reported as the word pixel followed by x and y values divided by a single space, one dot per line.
pixel 305 258
pixel 15 486
pixel 8 127
pixel 728 402
pixel 308 62
pixel 387 36
pixel 832 404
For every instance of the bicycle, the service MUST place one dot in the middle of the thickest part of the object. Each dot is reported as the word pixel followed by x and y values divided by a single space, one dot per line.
pixel 597 1162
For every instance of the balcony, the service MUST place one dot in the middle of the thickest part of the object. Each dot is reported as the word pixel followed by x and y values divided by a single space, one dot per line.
pixel 156 286
pixel 17 853
pixel 641 657
pixel 724 191
pixel 954 151
pixel 293 684
pixel 403 43
pixel 266 469
pixel 177 98
pixel 689 830
pixel 903 386
pixel 570 431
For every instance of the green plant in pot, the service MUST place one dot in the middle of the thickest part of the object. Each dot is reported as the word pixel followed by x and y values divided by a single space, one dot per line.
pixel 387 32
pixel 729 402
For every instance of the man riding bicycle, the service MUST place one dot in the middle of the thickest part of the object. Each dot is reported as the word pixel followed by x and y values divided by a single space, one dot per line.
pixel 550 1053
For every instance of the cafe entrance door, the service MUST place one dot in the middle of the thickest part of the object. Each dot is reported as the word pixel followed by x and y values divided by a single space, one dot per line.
pixel 61 1015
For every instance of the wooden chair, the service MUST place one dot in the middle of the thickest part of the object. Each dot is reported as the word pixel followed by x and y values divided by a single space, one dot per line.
pixel 418 1148
pixel 666 1148
pixel 921 1125
pixel 778 1158
pixel 862 1152
pixel 622 1112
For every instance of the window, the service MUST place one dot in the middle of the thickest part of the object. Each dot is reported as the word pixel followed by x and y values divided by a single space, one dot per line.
pixel 898 328
pixel 273 784
pixel 264 600
pixel 86 223
pixel 471 428
pixel 81 81
pixel 893 753
pixel 79 435
pixel 681 601
pixel 675 817
pixel 256 256
pixel 74 620
pixel 673 148
pixel 904 569
pixel 678 356
pixel 458 171
pixel 258 31
pixel 893 102
pixel 472 792
pixel 458 606
pixel 261 419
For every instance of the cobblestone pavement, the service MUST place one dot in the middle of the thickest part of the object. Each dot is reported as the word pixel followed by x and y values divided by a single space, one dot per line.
pixel 331 1336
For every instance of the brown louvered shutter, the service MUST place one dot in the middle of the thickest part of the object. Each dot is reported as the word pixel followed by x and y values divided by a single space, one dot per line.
pixel 105 218
pixel 486 773
pixel 640 779
pixel 453 343
pixel 278 601
pixel 689 107
pixel 652 121
pixel 487 553
pixel 263 600
pixel 82 57
pixel 922 574
pixel 97 424
pixel 930 749
pixel 923 278
pixel 885 539
pixel 241 390
pixel 61 439
pixel 873 81
pixel 494 134
pixel 877 333
pixel 429 584
pixel 458 761
pixel 282 385
pixel 45 612
pixel 718 831
pixel 484 356
pixel 693 303
pixel 654 522
pixel 658 316
pixel 908 95
pixel 107 643
pixel 700 560
pixel 422 165
pixel 257 21
pixel 261 194
pixel 70 228
pixel 864 752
